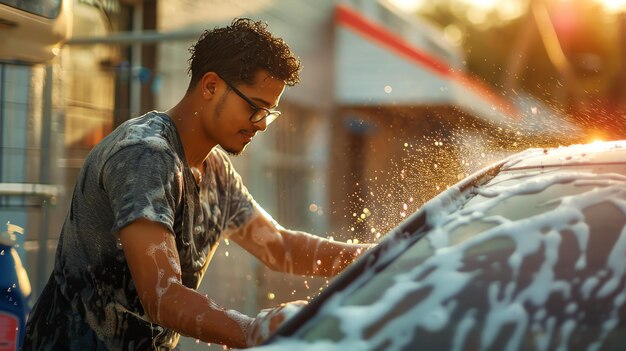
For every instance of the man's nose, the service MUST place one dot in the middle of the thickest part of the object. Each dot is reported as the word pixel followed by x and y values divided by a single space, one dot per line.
pixel 260 125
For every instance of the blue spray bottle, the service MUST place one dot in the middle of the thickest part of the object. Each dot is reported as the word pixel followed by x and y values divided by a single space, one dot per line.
pixel 14 291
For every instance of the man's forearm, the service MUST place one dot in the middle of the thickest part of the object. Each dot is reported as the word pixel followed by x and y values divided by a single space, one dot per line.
pixel 193 314
pixel 313 255
pixel 292 251
pixel 151 255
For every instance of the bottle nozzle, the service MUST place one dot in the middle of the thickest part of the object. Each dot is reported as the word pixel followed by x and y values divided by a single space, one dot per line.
pixel 8 236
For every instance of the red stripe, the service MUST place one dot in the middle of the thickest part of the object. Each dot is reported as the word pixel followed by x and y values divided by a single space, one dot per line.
pixel 371 30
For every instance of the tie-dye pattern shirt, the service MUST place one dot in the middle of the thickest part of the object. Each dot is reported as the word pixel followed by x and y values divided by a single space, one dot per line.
pixel 138 171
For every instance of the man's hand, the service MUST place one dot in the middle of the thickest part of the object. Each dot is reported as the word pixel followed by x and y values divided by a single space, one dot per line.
pixel 268 320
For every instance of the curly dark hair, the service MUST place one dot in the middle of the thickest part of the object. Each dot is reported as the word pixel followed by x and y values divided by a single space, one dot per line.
pixel 236 52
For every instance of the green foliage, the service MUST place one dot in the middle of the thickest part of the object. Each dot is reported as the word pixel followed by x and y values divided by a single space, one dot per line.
pixel 588 36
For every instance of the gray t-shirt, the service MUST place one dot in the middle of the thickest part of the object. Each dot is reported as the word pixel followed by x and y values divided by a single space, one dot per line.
pixel 138 171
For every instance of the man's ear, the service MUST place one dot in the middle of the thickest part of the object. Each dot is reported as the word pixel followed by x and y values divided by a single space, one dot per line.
pixel 208 84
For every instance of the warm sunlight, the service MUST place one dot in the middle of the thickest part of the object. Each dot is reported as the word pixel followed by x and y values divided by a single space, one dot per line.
pixel 413 5
pixel 478 11
pixel 407 5
pixel 484 4
pixel 614 5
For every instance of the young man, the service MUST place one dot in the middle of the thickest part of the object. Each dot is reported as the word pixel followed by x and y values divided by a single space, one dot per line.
pixel 154 198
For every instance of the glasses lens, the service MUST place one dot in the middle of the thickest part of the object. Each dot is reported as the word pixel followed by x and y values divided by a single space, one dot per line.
pixel 258 115
pixel 261 114
pixel 271 117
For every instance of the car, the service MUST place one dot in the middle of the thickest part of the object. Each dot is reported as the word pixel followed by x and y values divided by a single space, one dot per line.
pixel 526 254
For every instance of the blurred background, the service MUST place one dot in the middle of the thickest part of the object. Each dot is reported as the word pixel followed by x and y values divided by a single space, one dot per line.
pixel 398 100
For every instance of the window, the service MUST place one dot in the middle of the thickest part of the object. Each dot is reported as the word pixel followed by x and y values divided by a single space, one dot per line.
pixel 45 8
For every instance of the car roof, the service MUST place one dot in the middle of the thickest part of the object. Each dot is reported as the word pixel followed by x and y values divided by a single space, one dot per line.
pixel 606 152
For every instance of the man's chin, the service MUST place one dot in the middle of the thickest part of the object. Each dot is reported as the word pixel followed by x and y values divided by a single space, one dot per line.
pixel 234 152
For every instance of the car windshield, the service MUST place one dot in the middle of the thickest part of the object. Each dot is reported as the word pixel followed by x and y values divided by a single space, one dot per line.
pixel 544 243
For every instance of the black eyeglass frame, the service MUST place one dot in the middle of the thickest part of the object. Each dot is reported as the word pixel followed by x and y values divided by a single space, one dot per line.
pixel 256 117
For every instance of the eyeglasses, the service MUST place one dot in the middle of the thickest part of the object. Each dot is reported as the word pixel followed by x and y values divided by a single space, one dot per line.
pixel 258 113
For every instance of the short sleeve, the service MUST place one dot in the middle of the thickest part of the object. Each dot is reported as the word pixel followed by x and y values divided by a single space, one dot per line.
pixel 142 182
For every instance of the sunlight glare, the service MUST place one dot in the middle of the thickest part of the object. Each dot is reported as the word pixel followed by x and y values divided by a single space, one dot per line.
pixel 476 15
pixel 483 4
pixel 478 10
pixel 613 5
pixel 413 5
pixel 407 6
pixel 595 139
pixel 512 9
pixel 453 33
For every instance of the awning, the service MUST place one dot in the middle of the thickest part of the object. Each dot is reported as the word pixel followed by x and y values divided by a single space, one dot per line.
pixel 377 67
